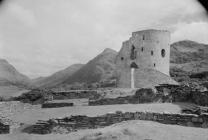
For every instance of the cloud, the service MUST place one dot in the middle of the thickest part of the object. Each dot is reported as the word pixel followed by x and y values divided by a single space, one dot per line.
pixel 24 15
pixel 197 31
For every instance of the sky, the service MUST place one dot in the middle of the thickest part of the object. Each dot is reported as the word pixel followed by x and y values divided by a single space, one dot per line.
pixel 40 37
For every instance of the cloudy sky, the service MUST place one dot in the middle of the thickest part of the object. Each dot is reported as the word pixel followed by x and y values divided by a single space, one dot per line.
pixel 40 37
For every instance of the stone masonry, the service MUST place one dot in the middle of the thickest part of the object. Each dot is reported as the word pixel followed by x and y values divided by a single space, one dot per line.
pixel 74 123
pixel 147 49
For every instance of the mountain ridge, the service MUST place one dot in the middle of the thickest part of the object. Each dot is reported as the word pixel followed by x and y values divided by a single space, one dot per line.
pixel 189 56
pixel 9 75
pixel 56 78
pixel 100 67
pixel 187 51
pixel 186 55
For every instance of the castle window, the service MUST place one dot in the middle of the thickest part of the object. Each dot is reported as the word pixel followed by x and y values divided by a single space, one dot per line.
pixel 143 37
pixel 152 52
pixel 154 64
pixel 133 53
pixel 142 49
pixel 122 58
pixel 163 52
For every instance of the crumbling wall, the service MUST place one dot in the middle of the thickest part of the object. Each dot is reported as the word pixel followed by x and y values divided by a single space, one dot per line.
pixel 75 123
pixel 76 94
pixel 144 95
pixel 163 93
pixel 56 105
pixel 4 129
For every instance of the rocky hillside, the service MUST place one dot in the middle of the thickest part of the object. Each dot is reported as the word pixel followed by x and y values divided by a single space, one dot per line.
pixel 189 63
pixel 10 76
pixel 57 77
pixel 100 68
pixel 189 56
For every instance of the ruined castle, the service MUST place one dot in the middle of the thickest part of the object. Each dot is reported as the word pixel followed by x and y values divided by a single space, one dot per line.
pixel 145 50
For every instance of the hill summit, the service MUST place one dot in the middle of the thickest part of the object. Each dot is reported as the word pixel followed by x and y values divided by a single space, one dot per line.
pixel 100 68
pixel 9 75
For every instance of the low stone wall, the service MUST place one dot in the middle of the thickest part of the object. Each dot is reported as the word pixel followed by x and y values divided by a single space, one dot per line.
pixel 75 123
pixel 163 93
pixel 56 105
pixel 8 126
pixel 76 94
pixel 141 96
pixel 185 93
pixel 4 129
pixel 41 127
pixel 110 101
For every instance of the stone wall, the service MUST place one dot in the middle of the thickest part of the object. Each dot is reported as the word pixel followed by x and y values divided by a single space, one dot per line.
pixel 56 105
pixel 4 129
pixel 184 93
pixel 75 123
pixel 140 96
pixel 38 96
pixel 163 93
pixel 8 126
pixel 76 94
pixel 7 111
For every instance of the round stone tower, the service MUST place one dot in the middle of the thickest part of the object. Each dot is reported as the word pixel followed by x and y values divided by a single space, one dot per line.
pixel 147 49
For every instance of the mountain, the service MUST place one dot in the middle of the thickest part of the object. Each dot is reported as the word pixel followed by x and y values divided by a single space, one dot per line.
pixel 12 82
pixel 57 77
pixel 188 51
pixel 100 68
pixel 10 76
pixel 189 56
pixel 185 55
pixel 36 80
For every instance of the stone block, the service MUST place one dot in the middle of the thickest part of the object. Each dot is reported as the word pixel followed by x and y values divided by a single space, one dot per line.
pixel 204 125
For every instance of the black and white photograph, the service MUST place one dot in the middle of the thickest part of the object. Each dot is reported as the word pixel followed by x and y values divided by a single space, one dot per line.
pixel 103 70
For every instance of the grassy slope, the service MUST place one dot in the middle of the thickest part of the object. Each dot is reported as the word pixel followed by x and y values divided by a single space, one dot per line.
pixel 57 77
pixel 9 74
pixel 99 68
pixel 189 56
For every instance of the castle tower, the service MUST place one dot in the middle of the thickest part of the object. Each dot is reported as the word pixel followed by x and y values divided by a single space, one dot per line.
pixel 147 49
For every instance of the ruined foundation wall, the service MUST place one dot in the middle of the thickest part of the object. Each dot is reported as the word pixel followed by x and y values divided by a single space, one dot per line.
pixel 74 123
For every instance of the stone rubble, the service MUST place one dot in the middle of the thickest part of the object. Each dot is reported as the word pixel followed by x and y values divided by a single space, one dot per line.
pixel 74 123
